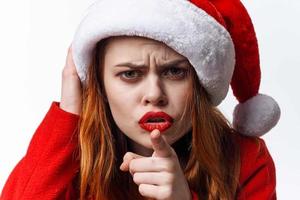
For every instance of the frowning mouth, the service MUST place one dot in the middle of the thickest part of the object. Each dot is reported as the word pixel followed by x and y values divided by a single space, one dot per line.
pixel 156 120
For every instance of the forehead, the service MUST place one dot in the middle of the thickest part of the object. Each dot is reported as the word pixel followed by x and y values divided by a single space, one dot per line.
pixel 135 47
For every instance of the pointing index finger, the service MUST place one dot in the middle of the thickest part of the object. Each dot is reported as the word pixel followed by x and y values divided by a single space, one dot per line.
pixel 160 145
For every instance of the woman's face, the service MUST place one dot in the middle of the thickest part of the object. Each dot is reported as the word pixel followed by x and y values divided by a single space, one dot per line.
pixel 132 92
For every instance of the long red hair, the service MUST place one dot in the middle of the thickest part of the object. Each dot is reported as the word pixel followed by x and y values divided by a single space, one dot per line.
pixel 209 152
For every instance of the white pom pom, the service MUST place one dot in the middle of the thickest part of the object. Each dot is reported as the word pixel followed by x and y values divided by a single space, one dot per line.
pixel 256 116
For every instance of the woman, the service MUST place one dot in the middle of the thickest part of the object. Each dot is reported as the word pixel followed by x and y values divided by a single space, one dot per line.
pixel 142 101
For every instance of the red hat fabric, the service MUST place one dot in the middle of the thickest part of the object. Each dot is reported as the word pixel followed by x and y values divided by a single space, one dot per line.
pixel 216 36
pixel 257 113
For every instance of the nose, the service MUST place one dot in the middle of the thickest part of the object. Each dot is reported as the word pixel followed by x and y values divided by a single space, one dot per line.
pixel 154 92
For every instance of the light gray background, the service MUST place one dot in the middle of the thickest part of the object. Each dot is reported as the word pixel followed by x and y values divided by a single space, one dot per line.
pixel 35 36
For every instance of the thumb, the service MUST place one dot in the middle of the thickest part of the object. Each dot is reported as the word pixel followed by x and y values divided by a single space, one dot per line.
pixel 127 158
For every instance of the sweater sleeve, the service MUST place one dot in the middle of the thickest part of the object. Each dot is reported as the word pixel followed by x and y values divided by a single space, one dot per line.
pixel 194 195
pixel 257 176
pixel 50 163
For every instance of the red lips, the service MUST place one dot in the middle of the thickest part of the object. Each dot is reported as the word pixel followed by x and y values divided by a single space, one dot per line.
pixel 156 120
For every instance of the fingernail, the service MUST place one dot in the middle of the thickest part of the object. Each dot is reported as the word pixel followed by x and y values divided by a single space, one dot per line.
pixel 156 133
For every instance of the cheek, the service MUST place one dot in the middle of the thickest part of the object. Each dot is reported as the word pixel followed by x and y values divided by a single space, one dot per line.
pixel 179 102
pixel 118 106
pixel 178 95
pixel 121 102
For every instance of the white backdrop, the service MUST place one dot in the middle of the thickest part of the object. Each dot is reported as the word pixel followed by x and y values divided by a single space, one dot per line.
pixel 34 39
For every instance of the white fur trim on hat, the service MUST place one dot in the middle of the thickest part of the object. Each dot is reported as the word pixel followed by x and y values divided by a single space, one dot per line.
pixel 256 116
pixel 178 23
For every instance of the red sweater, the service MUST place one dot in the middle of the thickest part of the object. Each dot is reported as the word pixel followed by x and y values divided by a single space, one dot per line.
pixel 48 169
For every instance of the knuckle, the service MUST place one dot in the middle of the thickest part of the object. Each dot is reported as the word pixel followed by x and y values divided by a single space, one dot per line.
pixel 125 156
pixel 171 166
pixel 136 178
pixel 153 161
pixel 168 178
pixel 128 156
pixel 142 189
pixel 165 192
pixel 68 71
pixel 132 165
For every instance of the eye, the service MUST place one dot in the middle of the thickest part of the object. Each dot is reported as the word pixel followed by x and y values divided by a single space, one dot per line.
pixel 129 75
pixel 171 72
pixel 175 72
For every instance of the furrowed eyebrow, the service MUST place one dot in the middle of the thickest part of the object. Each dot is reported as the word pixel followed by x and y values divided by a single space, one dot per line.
pixel 132 65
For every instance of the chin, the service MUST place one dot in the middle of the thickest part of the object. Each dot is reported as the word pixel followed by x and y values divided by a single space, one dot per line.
pixel 146 141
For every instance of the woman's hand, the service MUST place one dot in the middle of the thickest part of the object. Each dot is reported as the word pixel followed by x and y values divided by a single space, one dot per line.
pixel 160 176
pixel 71 90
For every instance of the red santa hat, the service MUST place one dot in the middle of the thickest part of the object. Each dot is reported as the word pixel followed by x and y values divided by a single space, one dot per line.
pixel 216 36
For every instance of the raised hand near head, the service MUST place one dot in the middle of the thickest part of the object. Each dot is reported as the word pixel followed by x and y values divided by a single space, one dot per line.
pixel 71 90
